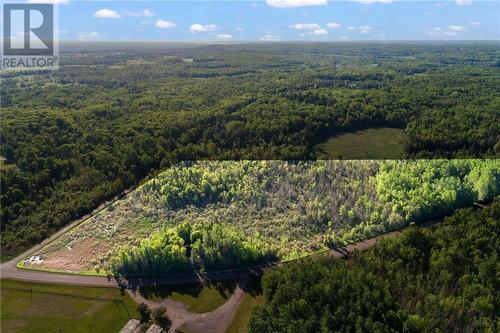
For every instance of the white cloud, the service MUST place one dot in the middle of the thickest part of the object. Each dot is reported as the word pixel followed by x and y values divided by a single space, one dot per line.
pixel 440 32
pixel 55 2
pixel 106 13
pixel 295 3
pixel 344 37
pixel 456 28
pixel 365 29
pixel 270 38
pixel 318 32
pixel 333 25
pixel 224 36
pixel 147 13
pixel 240 29
pixel 474 23
pixel 369 2
pixel 142 13
pixel 162 24
pixel 305 26
pixel 89 35
pixel 254 5
pixel 463 2
pixel 201 28
pixel 449 31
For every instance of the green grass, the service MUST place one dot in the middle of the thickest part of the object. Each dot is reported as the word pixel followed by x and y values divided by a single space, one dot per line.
pixel 198 298
pixel 373 143
pixel 62 308
pixel 209 299
pixel 240 321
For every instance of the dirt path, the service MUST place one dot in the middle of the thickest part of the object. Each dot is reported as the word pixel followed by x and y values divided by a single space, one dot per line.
pixel 216 321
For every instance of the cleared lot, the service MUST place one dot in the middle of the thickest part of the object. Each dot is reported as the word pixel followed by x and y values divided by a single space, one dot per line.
pixel 290 209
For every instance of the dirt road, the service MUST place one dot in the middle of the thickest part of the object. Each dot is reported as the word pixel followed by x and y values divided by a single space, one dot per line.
pixel 215 321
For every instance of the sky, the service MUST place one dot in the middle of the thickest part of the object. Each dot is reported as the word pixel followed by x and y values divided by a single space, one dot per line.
pixel 278 20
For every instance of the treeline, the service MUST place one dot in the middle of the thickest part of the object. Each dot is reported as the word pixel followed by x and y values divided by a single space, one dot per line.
pixel 337 201
pixel 425 189
pixel 189 246
pixel 438 279
pixel 78 136
pixel 422 190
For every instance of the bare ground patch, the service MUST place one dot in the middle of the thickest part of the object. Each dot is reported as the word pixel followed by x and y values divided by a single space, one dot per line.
pixel 76 257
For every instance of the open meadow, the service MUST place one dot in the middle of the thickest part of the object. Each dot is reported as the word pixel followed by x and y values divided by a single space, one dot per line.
pixel 371 143
pixel 34 307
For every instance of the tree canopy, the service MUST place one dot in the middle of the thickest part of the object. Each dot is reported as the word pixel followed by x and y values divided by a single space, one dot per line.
pixel 109 118
pixel 440 279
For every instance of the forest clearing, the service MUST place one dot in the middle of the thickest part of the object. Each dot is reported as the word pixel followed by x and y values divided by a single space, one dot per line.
pixel 225 214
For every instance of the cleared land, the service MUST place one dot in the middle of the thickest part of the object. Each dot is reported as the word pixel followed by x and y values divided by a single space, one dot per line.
pixel 292 209
pixel 33 307
pixel 379 143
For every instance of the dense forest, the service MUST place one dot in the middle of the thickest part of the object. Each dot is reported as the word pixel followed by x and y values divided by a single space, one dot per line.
pixel 438 279
pixel 114 114
pixel 191 246
pixel 220 214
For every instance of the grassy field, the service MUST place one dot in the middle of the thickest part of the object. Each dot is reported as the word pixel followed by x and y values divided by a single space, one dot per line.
pixel 33 307
pixel 380 143
pixel 240 321
pixel 198 298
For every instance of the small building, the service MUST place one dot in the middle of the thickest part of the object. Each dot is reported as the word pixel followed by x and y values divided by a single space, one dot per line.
pixel 155 329
pixel 132 326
